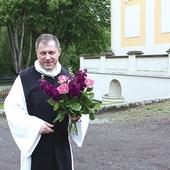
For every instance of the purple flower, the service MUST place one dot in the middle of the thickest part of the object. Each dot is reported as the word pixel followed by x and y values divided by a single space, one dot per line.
pixel 74 90
pixel 50 90
pixel 56 95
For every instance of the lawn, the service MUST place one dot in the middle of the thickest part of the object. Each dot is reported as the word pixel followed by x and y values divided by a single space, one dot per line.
pixel 1 106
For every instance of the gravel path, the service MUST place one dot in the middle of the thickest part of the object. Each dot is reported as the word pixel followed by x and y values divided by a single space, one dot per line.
pixel 130 139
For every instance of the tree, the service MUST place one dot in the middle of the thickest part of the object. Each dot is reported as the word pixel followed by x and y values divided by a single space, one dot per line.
pixel 6 68
pixel 86 28
pixel 20 17
pixel 79 24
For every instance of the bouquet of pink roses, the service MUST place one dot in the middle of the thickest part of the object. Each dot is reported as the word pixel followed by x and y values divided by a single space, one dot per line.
pixel 73 96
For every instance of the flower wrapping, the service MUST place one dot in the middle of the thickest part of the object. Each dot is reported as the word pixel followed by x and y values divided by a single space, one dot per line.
pixel 73 97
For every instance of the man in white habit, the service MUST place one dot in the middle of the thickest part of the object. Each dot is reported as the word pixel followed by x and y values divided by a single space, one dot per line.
pixel 43 145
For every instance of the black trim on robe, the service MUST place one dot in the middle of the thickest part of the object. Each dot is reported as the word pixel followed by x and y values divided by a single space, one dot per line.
pixel 53 150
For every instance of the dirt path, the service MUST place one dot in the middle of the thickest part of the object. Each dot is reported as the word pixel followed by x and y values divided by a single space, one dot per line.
pixel 130 139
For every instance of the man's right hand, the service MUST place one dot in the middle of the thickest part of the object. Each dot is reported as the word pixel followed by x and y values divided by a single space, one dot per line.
pixel 46 128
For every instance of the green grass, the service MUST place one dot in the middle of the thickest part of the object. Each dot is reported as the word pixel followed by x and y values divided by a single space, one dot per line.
pixel 1 106
pixel 138 113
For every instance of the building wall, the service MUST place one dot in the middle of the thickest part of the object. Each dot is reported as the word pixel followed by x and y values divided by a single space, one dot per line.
pixel 139 67
pixel 141 77
pixel 140 25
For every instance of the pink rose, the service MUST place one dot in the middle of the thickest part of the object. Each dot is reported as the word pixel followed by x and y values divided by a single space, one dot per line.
pixel 62 79
pixel 89 82
pixel 63 89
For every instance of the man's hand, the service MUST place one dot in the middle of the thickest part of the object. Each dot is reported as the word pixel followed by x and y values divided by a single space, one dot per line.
pixel 46 128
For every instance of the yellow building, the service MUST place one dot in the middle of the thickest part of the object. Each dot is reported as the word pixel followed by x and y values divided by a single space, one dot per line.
pixel 140 40
pixel 140 25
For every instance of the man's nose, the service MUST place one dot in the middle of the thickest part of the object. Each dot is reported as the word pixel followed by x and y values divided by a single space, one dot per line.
pixel 47 56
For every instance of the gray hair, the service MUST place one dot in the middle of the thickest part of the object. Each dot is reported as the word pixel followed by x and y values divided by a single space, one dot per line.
pixel 45 38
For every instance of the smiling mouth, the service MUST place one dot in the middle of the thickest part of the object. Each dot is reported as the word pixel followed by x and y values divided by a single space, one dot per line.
pixel 48 63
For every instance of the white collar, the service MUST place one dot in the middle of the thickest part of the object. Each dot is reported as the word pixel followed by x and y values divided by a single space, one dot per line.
pixel 51 73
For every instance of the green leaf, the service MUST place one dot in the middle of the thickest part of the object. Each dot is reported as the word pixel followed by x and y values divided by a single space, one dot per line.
pixel 91 115
pixel 88 102
pixel 87 110
pixel 70 111
pixel 75 99
pixel 62 117
pixel 56 106
pixel 62 100
pixel 96 106
pixel 88 89
pixel 75 106
pixel 86 99
pixel 90 95
pixel 51 102
pixel 58 117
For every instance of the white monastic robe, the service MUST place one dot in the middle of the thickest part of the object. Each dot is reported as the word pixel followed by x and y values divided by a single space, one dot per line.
pixel 25 128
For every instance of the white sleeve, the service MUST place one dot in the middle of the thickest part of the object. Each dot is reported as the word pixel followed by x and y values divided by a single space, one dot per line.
pixel 82 126
pixel 24 127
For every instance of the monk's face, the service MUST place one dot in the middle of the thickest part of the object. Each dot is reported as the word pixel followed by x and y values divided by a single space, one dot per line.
pixel 48 55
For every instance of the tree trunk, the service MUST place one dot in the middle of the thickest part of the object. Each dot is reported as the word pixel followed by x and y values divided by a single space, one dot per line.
pixel 30 51
pixel 13 49
pixel 65 51
pixel 16 42
pixel 21 65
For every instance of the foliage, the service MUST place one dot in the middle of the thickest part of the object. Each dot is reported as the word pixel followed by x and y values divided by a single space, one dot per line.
pixel 72 61
pixel 82 26
pixel 6 64
pixel 87 25
pixel 1 106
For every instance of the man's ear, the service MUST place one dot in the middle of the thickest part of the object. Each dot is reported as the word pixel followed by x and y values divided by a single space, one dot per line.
pixel 59 51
